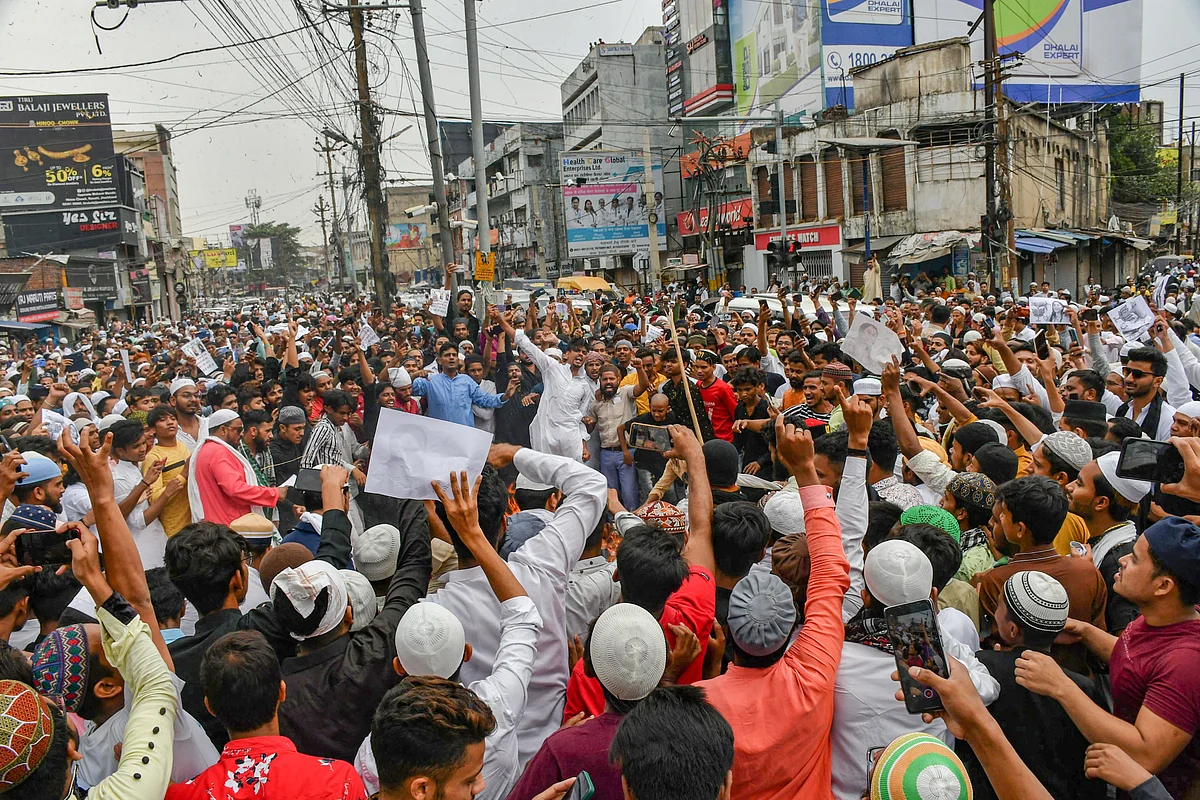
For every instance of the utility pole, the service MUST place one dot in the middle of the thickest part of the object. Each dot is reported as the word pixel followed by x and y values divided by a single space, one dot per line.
pixel 779 168
pixel 483 231
pixel 348 259
pixel 652 215
pixel 431 134
pixel 319 209
pixel 337 247
pixel 989 102
pixel 1179 171
pixel 369 159
pixel 1192 182
pixel 538 228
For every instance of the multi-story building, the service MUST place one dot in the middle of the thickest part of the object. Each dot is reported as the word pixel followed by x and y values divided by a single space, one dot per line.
pixel 413 243
pixel 153 284
pixel 524 199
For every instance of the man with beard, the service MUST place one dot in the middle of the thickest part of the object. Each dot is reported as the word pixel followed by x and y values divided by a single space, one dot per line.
pixel 222 483
pixel 41 483
pixel 654 378
pixel 794 369
pixel 675 386
pixel 815 406
pixel 256 446
pixel 287 448
pixel 185 397
pixel 614 407
pixel 129 446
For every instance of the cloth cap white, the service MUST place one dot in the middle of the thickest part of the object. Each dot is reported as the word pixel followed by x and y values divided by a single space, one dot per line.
pixel 1131 490
pixel 181 383
pixel 376 550
pixel 430 641
pixel 628 651
pixel 525 482
pixel 955 363
pixel 1190 409
pixel 897 572
pixel 1004 382
pixel 108 421
pixel 362 598
pixel 785 512
pixel 222 416
pixel 1069 447
pixel 870 387
pixel 1129 347
pixel 303 585
pixel 555 353
pixel 1037 600
pixel 399 377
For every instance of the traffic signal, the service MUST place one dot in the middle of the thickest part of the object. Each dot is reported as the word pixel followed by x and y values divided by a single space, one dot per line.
pixel 776 255
pixel 794 248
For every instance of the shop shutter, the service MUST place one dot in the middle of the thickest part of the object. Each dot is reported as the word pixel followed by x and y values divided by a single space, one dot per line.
pixel 835 204
pixel 895 179
pixel 855 165
pixel 808 189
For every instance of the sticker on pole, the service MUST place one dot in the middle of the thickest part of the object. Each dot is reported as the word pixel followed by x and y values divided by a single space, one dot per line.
pixel 485 266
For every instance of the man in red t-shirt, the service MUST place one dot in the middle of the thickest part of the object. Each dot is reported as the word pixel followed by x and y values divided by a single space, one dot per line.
pixel 1155 683
pixel 719 400
pixel 243 687
pixel 678 588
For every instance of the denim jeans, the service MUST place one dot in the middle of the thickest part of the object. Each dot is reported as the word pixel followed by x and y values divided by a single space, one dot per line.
pixel 620 476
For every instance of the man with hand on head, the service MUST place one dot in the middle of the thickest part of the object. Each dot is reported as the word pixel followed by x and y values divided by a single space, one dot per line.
pixel 431 642
pixel 222 484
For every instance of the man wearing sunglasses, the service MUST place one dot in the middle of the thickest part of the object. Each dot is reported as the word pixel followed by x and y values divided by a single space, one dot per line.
pixel 1144 374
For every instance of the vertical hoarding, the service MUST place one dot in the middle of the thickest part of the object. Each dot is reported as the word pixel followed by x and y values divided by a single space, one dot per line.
pixel 1074 51
pixel 776 52
pixel 858 33
pixel 237 236
pixel 605 205
pixel 405 235
pixel 56 151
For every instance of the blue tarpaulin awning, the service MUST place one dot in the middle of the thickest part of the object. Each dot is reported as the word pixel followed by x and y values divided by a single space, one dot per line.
pixel 1037 244
pixel 13 325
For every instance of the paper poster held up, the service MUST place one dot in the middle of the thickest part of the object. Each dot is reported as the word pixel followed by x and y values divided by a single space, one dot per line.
pixel 1132 318
pixel 871 343
pixel 439 301
pixel 1047 311
pixel 411 451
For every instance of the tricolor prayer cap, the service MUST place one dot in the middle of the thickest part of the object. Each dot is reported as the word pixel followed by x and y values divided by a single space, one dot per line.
pixel 917 766
pixel 1037 601
pixel 60 666
pixel 430 641
pixel 628 651
pixel 26 730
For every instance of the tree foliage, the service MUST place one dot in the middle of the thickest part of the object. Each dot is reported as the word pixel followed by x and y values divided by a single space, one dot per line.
pixel 1138 176
pixel 290 256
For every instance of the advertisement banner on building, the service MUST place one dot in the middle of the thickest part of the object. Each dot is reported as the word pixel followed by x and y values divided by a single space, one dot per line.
pixel 776 50
pixel 821 236
pixel 40 305
pixel 73 298
pixel 405 235
pixel 605 203
pixel 56 151
pixel 214 258
pixel 1073 51
pixel 98 280
pixel 77 229
pixel 738 214
pixel 857 33
pixel 237 236
pixel 262 254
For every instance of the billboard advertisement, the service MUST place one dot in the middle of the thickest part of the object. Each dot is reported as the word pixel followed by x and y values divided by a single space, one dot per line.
pixel 98 280
pixel 1074 51
pixel 40 305
pixel 56 151
pixel 405 235
pixel 857 33
pixel 66 230
pixel 776 50
pixel 237 236
pixel 605 200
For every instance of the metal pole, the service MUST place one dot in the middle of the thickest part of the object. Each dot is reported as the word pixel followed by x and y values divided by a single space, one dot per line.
pixel 431 134
pixel 1191 180
pixel 481 189
pixel 866 179
pixel 779 168
pixel 989 102
pixel 539 227
pixel 652 216
pixel 337 248
pixel 369 159
pixel 1179 171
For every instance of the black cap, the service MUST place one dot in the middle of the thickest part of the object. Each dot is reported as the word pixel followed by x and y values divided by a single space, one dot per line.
pixel 1086 409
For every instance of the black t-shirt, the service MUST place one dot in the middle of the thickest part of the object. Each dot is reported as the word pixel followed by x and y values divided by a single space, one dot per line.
pixel 751 444
pixel 1039 730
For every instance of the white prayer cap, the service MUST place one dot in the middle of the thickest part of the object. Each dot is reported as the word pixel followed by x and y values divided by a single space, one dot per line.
pixel 376 550
pixel 1190 409
pixel 303 586
pixel 222 416
pixel 430 641
pixel 108 421
pixel 785 512
pixel 304 356
pixel 953 363
pixel 181 383
pixel 628 651
pixel 972 336
pixel 362 598
pixel 399 377
pixel 1131 490
pixel 870 387
pixel 897 572
pixel 1070 447
pixel 1128 348
pixel 555 353
pixel 1004 382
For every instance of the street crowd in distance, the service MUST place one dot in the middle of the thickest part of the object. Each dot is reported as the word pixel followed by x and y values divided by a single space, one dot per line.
pixel 813 541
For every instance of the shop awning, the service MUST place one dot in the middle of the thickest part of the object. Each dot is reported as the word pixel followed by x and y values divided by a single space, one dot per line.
pixel 927 246
pixel 584 283
pixel 1039 245
pixel 13 325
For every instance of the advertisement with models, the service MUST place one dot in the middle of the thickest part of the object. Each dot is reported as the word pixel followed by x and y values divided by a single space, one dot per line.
pixel 776 50
pixel 604 197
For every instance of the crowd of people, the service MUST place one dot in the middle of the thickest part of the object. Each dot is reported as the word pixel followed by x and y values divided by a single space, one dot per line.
pixel 670 581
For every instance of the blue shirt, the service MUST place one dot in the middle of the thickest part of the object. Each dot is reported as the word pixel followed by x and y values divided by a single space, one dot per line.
pixel 450 399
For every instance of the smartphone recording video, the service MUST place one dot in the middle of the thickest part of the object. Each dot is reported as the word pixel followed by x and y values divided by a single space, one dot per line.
pixel 649 437
pixel 1148 460
pixel 916 642
pixel 45 548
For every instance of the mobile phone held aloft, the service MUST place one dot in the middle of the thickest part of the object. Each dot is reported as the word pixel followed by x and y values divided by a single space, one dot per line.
pixel 649 437
pixel 1147 460
pixel 1041 345
pixel 45 548
pixel 583 788
pixel 916 642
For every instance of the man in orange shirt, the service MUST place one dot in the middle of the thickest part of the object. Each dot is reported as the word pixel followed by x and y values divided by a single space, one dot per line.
pixel 794 369
pixel 775 696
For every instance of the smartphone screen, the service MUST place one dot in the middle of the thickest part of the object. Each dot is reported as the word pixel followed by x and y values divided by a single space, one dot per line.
pixel 1041 345
pixel 916 642
pixel 649 437
pixel 45 548
pixel 1148 460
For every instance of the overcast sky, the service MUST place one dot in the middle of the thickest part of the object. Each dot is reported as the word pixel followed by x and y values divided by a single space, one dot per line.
pixel 269 147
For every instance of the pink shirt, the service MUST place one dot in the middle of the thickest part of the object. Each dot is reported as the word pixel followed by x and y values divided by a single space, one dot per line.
pixel 221 481
pixel 788 707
